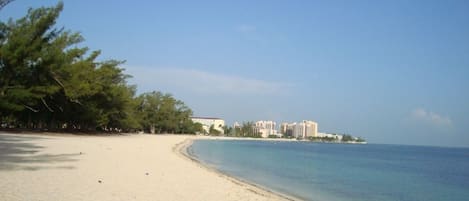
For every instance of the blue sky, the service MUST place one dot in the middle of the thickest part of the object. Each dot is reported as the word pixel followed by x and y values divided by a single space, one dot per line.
pixel 390 71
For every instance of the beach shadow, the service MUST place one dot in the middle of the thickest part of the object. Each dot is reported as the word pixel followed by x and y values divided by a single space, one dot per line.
pixel 19 152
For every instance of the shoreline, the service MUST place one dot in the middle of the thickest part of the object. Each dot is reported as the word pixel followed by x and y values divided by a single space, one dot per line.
pixel 276 140
pixel 182 150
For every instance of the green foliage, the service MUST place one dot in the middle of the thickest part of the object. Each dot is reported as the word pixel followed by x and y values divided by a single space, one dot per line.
pixel 322 139
pixel 48 82
pixel 287 136
pixel 213 131
pixel 195 128
pixel 247 130
pixel 161 113
pixel 347 138
pixel 29 59
pixel 228 130
pixel 359 139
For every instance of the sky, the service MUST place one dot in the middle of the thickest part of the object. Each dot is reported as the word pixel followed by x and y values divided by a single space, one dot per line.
pixel 393 72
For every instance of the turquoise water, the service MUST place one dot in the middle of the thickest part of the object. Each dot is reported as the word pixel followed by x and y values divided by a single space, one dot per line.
pixel 315 171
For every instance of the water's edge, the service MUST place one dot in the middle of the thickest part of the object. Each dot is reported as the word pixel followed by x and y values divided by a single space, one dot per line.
pixel 183 149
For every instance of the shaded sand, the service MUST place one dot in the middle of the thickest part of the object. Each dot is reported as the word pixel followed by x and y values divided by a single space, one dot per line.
pixel 131 167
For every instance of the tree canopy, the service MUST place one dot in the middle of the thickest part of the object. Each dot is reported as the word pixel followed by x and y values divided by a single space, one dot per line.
pixel 48 82
pixel 161 113
pixel 246 129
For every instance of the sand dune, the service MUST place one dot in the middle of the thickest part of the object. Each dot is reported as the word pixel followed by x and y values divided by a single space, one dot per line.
pixel 131 167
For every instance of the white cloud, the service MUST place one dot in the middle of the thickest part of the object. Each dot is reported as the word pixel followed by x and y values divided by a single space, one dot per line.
pixel 422 115
pixel 201 81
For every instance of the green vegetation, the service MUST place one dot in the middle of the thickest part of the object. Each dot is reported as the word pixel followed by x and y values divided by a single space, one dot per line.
pixel 245 130
pixel 214 132
pixel 161 113
pixel 347 138
pixel 287 136
pixel 323 139
pixel 47 82
pixel 359 139
pixel 227 130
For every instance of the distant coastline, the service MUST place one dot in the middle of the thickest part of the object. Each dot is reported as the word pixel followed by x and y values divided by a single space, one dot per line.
pixel 277 139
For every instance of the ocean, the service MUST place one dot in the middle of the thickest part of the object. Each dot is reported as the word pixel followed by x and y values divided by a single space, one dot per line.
pixel 333 172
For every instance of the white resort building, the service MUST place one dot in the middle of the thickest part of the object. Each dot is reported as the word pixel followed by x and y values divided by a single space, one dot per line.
pixel 236 125
pixel 207 122
pixel 266 128
pixel 303 129
pixel 331 135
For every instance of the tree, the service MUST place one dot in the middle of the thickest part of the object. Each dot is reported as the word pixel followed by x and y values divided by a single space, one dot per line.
pixel 48 82
pixel 213 131
pixel 228 130
pixel 247 130
pixel 360 139
pixel 347 138
pixel 194 128
pixel 28 50
pixel 3 3
pixel 161 113
pixel 45 77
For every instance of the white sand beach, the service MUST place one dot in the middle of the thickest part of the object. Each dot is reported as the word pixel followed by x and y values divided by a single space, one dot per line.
pixel 129 167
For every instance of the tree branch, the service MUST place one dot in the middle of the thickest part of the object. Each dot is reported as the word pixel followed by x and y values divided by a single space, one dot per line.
pixel 47 106
pixel 30 108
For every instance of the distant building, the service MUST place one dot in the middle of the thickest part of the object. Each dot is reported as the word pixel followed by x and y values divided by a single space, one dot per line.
pixel 236 125
pixel 287 129
pixel 290 129
pixel 207 122
pixel 299 130
pixel 303 129
pixel 266 128
pixel 283 129
pixel 311 128
pixel 331 135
